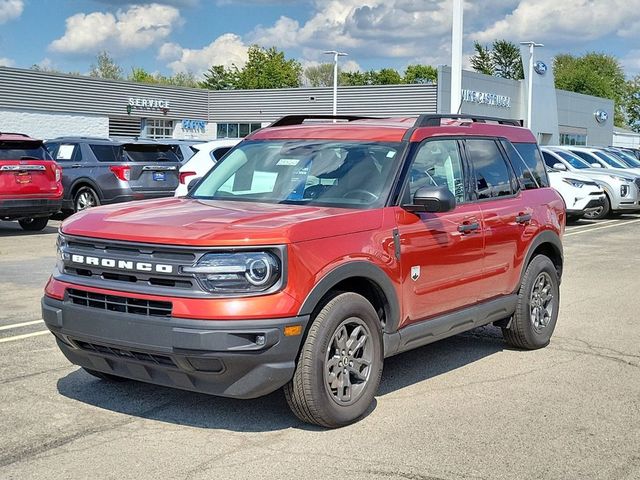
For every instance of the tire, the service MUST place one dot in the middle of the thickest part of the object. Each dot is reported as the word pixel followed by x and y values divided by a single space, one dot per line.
pixel 529 328
pixel 85 197
pixel 105 376
pixel 601 212
pixel 317 393
pixel 33 224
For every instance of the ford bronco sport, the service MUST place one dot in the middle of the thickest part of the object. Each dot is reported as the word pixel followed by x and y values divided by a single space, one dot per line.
pixel 30 182
pixel 310 253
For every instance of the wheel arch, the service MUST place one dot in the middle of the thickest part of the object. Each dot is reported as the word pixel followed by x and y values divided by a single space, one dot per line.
pixel 84 182
pixel 363 278
pixel 547 243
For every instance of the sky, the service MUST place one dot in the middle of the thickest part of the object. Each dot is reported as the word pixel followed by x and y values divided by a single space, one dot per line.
pixel 170 36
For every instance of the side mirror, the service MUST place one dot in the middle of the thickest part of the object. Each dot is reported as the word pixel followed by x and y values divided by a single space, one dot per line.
pixel 596 165
pixel 432 200
pixel 560 166
pixel 192 183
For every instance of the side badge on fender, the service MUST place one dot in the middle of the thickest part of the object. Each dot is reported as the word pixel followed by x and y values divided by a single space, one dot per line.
pixel 415 273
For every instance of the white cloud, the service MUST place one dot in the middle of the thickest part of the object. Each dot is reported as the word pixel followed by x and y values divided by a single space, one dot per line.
pixel 6 62
pixel 631 62
pixel 567 21
pixel 227 49
pixel 10 10
pixel 137 28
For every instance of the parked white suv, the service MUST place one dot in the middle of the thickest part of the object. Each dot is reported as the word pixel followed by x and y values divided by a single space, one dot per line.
pixel 206 157
pixel 599 158
pixel 621 187
pixel 581 195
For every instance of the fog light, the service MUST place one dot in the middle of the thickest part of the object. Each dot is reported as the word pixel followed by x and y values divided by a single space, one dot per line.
pixel 260 340
pixel 624 190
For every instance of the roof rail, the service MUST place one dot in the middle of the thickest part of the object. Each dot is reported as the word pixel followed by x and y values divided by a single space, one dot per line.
pixel 433 120
pixel 16 134
pixel 288 120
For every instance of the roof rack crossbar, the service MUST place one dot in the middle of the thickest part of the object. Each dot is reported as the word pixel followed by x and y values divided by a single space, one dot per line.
pixel 433 120
pixel 288 120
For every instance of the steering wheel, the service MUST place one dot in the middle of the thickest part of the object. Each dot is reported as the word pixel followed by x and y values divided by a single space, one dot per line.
pixel 361 192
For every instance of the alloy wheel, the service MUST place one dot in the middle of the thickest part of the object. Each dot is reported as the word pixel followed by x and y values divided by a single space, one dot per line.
pixel 541 302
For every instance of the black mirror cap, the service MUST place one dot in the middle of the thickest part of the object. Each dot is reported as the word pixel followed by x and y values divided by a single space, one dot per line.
pixel 192 183
pixel 432 200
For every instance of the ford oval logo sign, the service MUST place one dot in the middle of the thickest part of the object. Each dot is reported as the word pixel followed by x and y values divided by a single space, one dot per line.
pixel 601 116
pixel 540 67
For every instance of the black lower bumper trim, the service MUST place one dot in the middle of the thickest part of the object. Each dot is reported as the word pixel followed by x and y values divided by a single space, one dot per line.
pixel 23 208
pixel 239 359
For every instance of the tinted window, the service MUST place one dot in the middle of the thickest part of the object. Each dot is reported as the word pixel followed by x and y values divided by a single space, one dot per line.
pixel 491 171
pixel 218 153
pixel 529 166
pixel 575 162
pixel 106 153
pixel 613 162
pixel 437 163
pixel 23 151
pixel 549 159
pixel 588 158
pixel 52 148
pixel 150 153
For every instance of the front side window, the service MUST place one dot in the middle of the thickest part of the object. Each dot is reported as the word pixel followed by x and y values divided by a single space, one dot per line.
pixel 342 174
pixel 587 157
pixel 491 171
pixel 610 160
pixel 437 163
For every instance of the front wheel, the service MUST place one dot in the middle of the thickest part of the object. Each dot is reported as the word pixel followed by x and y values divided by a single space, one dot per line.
pixel 536 312
pixel 340 365
pixel 33 224
pixel 600 212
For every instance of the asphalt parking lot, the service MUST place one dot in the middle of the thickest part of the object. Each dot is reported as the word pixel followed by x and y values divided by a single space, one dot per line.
pixel 467 407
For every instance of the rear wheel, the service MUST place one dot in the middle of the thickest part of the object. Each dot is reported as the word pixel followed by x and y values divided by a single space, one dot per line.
pixel 340 365
pixel 105 376
pixel 536 312
pixel 85 197
pixel 33 224
pixel 600 212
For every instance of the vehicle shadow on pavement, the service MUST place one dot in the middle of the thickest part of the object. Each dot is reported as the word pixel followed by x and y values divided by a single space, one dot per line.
pixel 269 413
pixel 12 229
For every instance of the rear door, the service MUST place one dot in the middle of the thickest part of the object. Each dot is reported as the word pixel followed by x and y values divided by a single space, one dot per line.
pixel 154 167
pixel 26 170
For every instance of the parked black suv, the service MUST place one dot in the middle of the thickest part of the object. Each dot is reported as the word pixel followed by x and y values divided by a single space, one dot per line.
pixel 100 171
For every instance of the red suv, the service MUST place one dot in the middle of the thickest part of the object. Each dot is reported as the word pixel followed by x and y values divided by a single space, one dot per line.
pixel 30 185
pixel 310 253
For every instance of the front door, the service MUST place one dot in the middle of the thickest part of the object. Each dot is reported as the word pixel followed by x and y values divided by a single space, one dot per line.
pixel 441 253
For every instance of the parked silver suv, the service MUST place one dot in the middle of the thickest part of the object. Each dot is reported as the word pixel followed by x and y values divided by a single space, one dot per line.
pixel 97 171
pixel 622 188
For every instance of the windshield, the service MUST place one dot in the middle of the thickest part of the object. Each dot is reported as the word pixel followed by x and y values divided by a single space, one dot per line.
pixel 610 160
pixel 626 158
pixel 150 153
pixel 341 174
pixel 572 160
pixel 23 151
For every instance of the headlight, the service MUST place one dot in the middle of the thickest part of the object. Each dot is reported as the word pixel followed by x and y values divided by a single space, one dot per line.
pixel 573 182
pixel 624 190
pixel 237 272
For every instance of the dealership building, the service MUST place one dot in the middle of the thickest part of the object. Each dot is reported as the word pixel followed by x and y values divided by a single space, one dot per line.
pixel 47 105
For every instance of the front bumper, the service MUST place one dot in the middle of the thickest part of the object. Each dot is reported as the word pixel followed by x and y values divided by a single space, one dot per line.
pixel 25 208
pixel 585 206
pixel 225 358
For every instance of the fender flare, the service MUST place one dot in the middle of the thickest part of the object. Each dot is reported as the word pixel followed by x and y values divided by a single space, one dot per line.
pixel 357 268
pixel 547 236
pixel 89 182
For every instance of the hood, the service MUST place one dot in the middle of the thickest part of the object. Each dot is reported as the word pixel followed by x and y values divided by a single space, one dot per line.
pixel 605 172
pixel 185 221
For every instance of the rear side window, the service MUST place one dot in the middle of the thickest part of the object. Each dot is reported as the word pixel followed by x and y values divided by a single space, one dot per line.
pixel 492 177
pixel 529 166
pixel 106 153
pixel 23 151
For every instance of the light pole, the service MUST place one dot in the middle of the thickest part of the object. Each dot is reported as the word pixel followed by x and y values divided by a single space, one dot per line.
pixel 456 56
pixel 532 46
pixel 335 54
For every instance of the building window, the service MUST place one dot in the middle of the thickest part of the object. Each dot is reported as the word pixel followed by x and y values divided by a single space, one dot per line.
pixel 573 139
pixel 159 128
pixel 236 130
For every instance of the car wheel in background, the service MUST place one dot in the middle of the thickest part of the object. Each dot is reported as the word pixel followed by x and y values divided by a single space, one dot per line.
pixel 33 224
pixel 85 197
pixel 600 212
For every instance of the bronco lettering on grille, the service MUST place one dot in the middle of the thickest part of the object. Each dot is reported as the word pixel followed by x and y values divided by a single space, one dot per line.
pixel 122 264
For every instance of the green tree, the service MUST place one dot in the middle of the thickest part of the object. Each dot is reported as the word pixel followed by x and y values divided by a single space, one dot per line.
pixel 354 79
pixel 321 75
pixel 218 77
pixel 632 104
pixel 595 74
pixel 105 67
pixel 502 60
pixel 268 68
pixel 385 76
pixel 139 74
pixel 420 74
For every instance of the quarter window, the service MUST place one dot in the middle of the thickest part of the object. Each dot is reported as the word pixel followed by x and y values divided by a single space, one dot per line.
pixel 437 164
pixel 491 171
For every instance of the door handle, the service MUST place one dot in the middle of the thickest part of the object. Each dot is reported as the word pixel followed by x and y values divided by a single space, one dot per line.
pixel 523 217
pixel 76 165
pixel 468 227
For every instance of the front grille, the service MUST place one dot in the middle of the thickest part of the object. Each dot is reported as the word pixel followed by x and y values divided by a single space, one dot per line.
pixel 125 353
pixel 637 182
pixel 116 303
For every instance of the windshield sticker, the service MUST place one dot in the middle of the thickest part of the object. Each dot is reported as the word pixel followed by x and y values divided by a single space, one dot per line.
pixel 65 152
pixel 391 154
pixel 298 182
pixel 288 162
